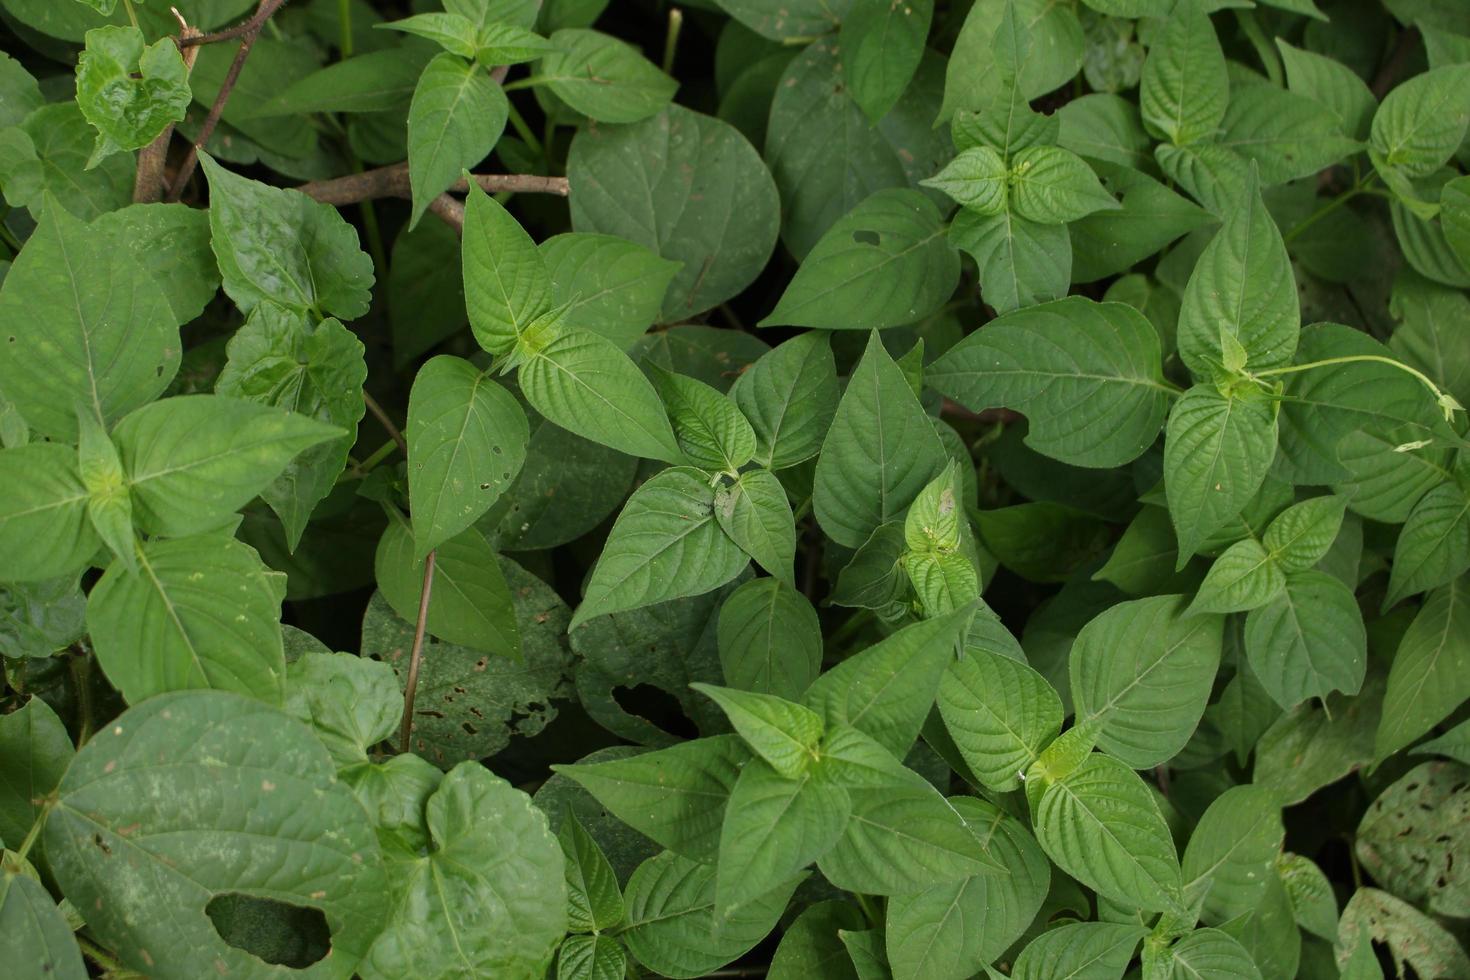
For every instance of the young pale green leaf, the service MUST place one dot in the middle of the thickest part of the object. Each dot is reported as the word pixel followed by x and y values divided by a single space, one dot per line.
pixel 457 114
pixel 879 453
pixel 199 612
pixel 487 899
pixel 37 934
pixel 790 396
pixel 710 430
pixel 1309 641
pixel 883 264
pixel 881 44
pixel 85 326
pixel 886 691
pixel 582 382
pixel 608 285
pixel 35 751
pixel 275 244
pixel 594 901
pixel 770 639
pixel 469 602
pixel 1422 121
pixel 1241 288
pixel 1185 86
pixel 1245 576
pixel 44 528
pixel 1411 837
pixel 505 279
pixel 194 460
pixel 603 77
pixel 674 928
pixel 935 517
pixel 774 827
pixel 976 179
pixel 953 929
pixel 351 703
pixel 675 796
pixel 1045 360
pixel 1430 676
pixel 1434 546
pixel 1000 713
pixel 278 358
pixel 755 513
pixel 1053 186
pixel 146 866
pixel 129 90
pixel 467 441
pixel 1302 534
pixel 784 734
pixel 1021 262
pixel 1217 450
pixel 1100 824
pixel 596 957
pixel 1079 951
pixel 1232 853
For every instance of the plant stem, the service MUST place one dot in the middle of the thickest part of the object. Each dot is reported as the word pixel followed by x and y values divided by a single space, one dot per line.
pixel 1355 359
pixel 344 22
pixel 519 123
pixel 81 676
pixel 251 26
pixel 671 41
pixel 392 181
pixel 101 957
pixel 1324 211
pixel 1265 50
pixel 385 421
pixel 410 686
pixel 847 630
pixel 34 833
pixel 382 453
pixel 132 14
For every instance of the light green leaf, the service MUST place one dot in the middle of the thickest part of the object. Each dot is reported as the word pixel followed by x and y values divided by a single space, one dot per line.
pixel 1232 853
pixel 1302 534
pixel 770 639
pixel 1413 938
pixel 1244 577
pixel 467 440
pixel 1422 121
pixel 1309 641
pixel 457 114
pixel 44 528
pixel 374 81
pixel 883 264
pixel 199 612
pixel 1410 838
pixel 1430 676
pixel 48 152
pixel 1434 546
pixel 755 514
pixel 194 460
pixel 1000 713
pixel 782 733
pixel 275 244
pixel 608 285
pixel 1185 87
pixel 195 796
pixel 976 179
pixel 1079 951
pixel 1205 954
pixel 603 77
pixel 505 279
pixel 1100 824
pixel 22 93
pixel 1052 186
pixel 128 91
pixel 1287 136
pixel 488 899
pixel 710 430
pixel 1047 53
pixel 1046 360
pixel 452 32
pixel 351 703
pixel 1112 241
pixel 1141 672
pixel 789 396
pixel 879 453
pixel 1101 126
pixel 1021 262
pixel 35 751
pixel 594 901
pixel 38 937
pixel 469 603
pixel 881 45
pixel 1332 84
pixel 1317 743
pixel 591 958
pixel 1313 902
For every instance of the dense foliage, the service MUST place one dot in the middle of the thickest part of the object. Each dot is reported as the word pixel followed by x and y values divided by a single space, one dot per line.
pixel 940 489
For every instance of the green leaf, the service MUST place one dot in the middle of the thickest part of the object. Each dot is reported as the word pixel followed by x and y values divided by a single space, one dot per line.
pixel 37 935
pixel 1142 672
pixel 608 285
pixel 955 928
pixel 1185 86
pixel 130 92
pixel 1309 641
pixel 666 544
pixel 879 453
pixel 1046 360
pixel 200 612
pixel 1286 136
pixel 1079 951
pixel 687 186
pixel 44 528
pixel 1208 954
pixel 193 460
pixel 594 901
pixel 277 358
pixel 603 77
pixel 770 639
pixel 1052 186
pixel 467 440
pixel 1332 84
pixel 1454 743
pixel 710 430
pixel 1114 240
pixel 1000 713
pixel 1430 676
pixel 1302 534
pixel 1232 853
pixel 886 691
pixel 881 45
pixel 976 179
pixel 506 283
pixel 1021 262
pixel 469 602
pixel 351 703
pixel 755 514
pixel 1317 743
pixel 1454 219
pixel 1217 450
pixel 22 93
pixel 790 396
pixel 35 751
pixel 674 796
pixel 1422 121
pixel 454 33
pixel 1244 577
pixel 1411 835
pixel 582 382
pixel 782 733
pixel 1434 546
pixel 489 897
pixel 194 796
pixel 1241 288
pixel 883 264
pixel 591 958
pixel 1100 824
pixel 673 927
pixel 1312 900
pixel 1046 54
pixel 280 245
pixel 775 826
pixel 457 114
pixel 1413 938
pixel 48 152
pixel 374 81
pixel 85 327
pixel 811 946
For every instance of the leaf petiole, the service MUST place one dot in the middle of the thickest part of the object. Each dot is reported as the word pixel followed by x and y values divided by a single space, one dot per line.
pixel 1445 400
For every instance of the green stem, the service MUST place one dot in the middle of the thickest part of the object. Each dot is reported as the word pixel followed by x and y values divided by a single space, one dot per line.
pixel 6 235
pixel 1424 379
pixel 1265 50
pixel 1361 186
pixel 522 129
pixel 671 41
pixel 132 14
pixel 870 910
pixel 81 676
pixel 101 957
pixel 847 630
pixel 382 453
pixel 34 833
pixel 530 81
pixel 344 20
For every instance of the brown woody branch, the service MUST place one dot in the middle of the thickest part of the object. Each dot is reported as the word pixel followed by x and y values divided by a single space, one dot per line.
pixel 392 181
pixel 149 180
pixel 954 410
pixel 247 27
